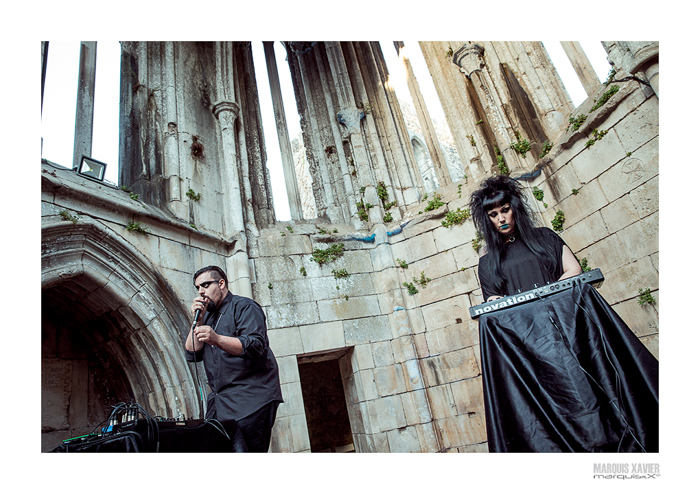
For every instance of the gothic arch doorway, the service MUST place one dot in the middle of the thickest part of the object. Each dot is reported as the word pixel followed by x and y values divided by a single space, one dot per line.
pixel 111 332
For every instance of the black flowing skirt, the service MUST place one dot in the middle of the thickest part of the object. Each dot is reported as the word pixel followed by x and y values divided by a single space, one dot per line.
pixel 566 374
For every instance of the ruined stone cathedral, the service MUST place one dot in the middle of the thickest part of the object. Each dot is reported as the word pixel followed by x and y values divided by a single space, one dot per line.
pixel 367 288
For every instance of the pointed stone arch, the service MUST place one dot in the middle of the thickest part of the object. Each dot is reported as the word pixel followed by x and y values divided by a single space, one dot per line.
pixel 105 301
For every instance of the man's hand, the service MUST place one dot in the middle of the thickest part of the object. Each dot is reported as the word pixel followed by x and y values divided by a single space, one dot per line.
pixel 207 335
pixel 199 303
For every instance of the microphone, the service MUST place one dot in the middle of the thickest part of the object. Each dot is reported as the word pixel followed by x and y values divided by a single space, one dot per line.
pixel 196 318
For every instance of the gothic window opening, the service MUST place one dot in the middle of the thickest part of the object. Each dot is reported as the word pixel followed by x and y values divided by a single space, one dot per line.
pixel 60 100
pixel 271 118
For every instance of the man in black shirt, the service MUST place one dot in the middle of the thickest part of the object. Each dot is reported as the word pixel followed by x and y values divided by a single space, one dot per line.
pixel 231 336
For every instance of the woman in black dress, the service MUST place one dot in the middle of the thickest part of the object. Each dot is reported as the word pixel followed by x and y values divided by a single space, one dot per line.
pixel 519 256
pixel 563 373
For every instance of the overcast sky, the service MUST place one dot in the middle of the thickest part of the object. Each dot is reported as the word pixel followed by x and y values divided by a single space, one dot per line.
pixel 58 115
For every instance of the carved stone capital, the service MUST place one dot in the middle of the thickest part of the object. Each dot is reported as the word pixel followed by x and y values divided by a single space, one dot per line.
pixel 350 117
pixel 469 58
pixel 230 106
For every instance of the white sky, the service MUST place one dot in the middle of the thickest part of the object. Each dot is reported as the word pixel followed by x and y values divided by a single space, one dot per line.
pixel 58 115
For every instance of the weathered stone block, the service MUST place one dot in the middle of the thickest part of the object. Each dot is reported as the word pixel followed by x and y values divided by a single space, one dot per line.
pixel 382 257
pixel 291 291
pixel 362 357
pixel 329 287
pixel 355 307
pixel 390 380
pixel 446 312
pixel 366 330
pixel 404 440
pixel 637 127
pixel 288 367
pixel 402 348
pixel 586 232
pixel 387 413
pixel 642 320
pixel 446 287
pixel 287 315
pixel 366 386
pixel 456 235
pixel 290 435
pixel 279 246
pixel 646 197
pixel 576 207
pixel 463 430
pixel 323 336
pixel 595 160
pixel 434 267
pixel 416 407
pixel 625 176
pixel 382 353
pixel 385 281
pixel 293 400
pixel 468 395
pixel 442 402
pixel 451 338
pixel 619 214
pixel 465 255
pixel 624 283
pixel 415 248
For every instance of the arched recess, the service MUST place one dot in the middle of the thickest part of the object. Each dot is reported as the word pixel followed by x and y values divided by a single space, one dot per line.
pixel 107 312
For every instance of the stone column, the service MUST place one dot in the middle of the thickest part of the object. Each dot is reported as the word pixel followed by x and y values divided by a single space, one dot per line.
pixel 227 113
pixel 469 58
pixel 583 67
pixel 646 60
pixel 634 57
pixel 171 151
pixel 85 106
pixel 290 178
pixel 426 124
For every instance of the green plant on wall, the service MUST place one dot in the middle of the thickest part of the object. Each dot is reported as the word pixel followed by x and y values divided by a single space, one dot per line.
pixel 500 160
pixel 596 137
pixel 476 242
pixel 645 297
pixel 135 226
pixel 546 148
pixel 456 217
pixel 194 196
pixel 412 290
pixel 434 203
pixel 558 221
pixel 423 281
pixel 603 99
pixel 68 217
pixel 577 122
pixel 584 265
pixel 322 256
pixel 521 146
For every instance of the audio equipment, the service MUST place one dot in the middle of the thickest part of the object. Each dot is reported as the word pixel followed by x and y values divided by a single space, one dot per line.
pixel 593 277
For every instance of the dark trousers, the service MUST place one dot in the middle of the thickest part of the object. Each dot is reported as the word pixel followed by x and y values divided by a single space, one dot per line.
pixel 257 427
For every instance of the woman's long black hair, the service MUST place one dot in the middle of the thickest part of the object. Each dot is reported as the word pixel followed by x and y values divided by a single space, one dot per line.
pixel 495 192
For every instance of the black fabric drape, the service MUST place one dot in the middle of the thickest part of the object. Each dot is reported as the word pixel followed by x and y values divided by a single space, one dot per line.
pixel 565 373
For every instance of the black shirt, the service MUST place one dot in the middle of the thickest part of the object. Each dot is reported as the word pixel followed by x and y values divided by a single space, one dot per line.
pixel 240 384
pixel 521 267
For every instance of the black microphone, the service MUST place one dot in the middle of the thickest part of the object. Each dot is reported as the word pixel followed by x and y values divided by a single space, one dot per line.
pixel 196 318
